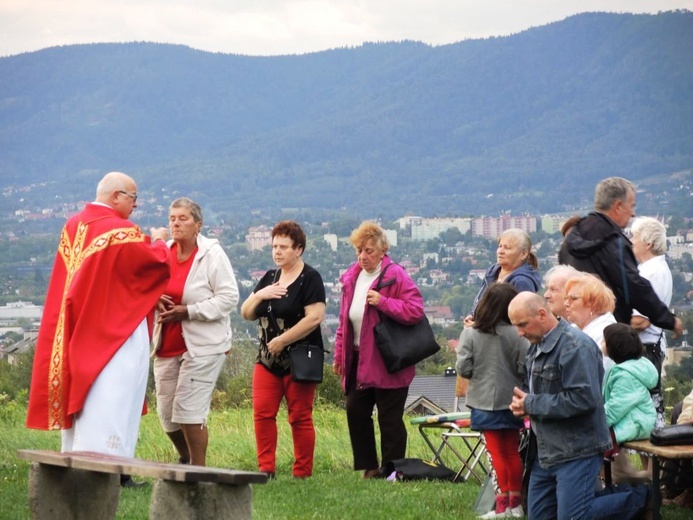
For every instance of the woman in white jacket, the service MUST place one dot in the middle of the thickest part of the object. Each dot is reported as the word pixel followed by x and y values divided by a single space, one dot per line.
pixel 193 331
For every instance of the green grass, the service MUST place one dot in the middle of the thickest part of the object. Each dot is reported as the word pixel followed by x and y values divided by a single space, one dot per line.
pixel 335 491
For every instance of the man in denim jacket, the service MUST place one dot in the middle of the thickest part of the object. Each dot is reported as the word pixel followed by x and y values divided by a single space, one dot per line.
pixel 564 403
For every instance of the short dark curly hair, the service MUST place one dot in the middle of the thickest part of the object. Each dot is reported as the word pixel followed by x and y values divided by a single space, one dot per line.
pixel 289 228
pixel 622 343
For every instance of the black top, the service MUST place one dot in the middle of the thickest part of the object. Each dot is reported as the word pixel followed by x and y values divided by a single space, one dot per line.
pixel 276 316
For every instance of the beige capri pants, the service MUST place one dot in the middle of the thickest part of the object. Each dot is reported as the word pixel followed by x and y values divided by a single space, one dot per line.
pixel 184 387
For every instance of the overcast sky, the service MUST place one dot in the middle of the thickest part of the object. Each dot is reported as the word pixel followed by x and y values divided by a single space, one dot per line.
pixel 269 27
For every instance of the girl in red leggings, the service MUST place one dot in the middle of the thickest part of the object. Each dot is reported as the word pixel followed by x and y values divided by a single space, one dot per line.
pixel 492 356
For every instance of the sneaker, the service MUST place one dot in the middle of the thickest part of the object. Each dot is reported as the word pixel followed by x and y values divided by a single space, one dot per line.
pixel 493 514
pixel 515 512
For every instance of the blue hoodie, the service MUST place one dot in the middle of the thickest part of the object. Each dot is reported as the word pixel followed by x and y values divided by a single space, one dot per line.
pixel 524 278
pixel 627 401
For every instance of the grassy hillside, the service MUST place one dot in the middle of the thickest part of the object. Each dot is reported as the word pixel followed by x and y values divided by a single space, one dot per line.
pixel 335 491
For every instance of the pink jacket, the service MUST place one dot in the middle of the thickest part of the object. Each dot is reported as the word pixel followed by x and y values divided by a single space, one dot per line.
pixel 400 301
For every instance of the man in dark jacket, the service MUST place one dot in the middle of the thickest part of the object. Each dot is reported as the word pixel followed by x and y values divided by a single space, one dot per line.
pixel 597 245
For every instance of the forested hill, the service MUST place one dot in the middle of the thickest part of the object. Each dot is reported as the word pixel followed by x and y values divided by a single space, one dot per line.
pixel 525 122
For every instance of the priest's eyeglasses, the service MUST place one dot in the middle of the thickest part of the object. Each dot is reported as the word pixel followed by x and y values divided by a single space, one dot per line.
pixel 131 195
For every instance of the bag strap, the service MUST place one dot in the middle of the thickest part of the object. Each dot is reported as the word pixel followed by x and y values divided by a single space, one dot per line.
pixel 269 305
pixel 380 285
pixel 623 270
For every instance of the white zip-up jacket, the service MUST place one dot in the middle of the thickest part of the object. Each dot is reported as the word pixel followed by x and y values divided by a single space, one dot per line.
pixel 210 294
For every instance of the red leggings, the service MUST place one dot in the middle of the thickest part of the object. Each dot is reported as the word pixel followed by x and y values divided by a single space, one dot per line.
pixel 268 391
pixel 502 446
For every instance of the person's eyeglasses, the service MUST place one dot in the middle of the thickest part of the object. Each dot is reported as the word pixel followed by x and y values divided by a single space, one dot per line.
pixel 132 196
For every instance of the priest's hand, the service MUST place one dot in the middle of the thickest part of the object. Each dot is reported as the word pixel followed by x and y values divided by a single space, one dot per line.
pixel 159 234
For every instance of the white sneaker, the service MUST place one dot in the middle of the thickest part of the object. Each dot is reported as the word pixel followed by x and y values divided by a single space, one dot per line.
pixel 515 512
pixel 493 514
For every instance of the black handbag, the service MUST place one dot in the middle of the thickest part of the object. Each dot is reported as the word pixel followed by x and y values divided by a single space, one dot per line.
pixel 675 434
pixel 307 363
pixel 400 345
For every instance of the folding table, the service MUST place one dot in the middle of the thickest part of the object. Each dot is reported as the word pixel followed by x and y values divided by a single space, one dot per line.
pixel 455 426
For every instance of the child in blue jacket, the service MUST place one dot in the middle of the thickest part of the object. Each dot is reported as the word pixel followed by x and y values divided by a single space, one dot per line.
pixel 630 413
pixel 627 385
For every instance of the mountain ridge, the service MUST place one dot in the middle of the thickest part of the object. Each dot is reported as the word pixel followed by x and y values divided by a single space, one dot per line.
pixel 535 118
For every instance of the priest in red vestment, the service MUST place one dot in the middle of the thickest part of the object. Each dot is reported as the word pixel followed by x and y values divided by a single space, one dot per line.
pixel 91 363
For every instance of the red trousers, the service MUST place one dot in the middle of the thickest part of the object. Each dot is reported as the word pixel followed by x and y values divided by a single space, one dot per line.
pixel 502 446
pixel 268 391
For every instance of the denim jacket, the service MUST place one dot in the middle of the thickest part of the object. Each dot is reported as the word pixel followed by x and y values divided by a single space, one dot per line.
pixel 564 376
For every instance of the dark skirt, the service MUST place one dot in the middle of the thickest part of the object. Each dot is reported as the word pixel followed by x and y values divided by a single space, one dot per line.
pixel 482 420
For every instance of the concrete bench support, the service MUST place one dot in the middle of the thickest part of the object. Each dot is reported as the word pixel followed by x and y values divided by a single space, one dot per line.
pixel 60 493
pixel 85 486
pixel 201 501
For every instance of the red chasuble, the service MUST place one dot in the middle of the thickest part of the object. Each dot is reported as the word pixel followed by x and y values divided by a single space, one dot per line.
pixel 106 279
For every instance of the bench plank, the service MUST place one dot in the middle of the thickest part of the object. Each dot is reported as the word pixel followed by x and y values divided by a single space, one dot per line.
pixel 666 452
pixel 100 462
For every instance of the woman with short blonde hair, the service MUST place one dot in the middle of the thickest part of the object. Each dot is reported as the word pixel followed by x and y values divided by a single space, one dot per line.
pixel 370 231
pixel 589 305
pixel 595 293
pixel 372 287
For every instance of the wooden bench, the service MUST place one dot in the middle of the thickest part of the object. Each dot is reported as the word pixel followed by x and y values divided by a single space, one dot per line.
pixel 86 485
pixel 657 452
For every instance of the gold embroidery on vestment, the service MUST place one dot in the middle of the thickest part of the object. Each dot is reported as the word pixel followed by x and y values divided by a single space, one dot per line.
pixel 73 255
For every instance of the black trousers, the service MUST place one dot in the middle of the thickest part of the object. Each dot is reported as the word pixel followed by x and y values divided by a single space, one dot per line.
pixel 677 474
pixel 653 352
pixel 393 432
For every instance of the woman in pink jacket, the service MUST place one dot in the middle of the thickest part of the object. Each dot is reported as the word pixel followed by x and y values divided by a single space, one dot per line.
pixel 365 379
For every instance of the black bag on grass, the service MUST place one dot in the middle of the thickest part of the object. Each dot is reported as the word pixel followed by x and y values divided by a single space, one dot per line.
pixel 416 469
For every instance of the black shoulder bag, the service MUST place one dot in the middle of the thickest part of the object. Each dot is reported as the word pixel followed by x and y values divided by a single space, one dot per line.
pixel 400 345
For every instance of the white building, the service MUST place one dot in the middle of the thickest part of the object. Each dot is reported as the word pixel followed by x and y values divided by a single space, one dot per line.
pixel 430 228
pixel 331 240
pixel 391 235
pixel 258 237
pixel 17 310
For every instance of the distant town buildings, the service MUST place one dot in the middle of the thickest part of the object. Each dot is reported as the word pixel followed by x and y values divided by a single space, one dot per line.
pixel 258 237
pixel 487 227
pixel 430 228
pixel 677 250
pixel 552 223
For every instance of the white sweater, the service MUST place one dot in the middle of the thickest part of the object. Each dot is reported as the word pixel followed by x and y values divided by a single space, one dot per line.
pixel 210 294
